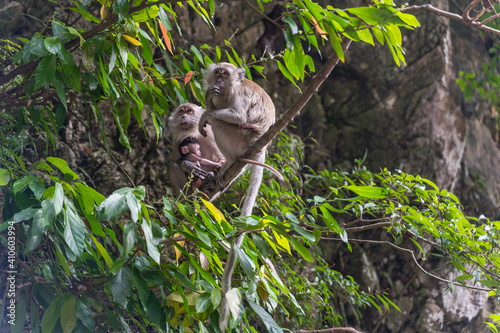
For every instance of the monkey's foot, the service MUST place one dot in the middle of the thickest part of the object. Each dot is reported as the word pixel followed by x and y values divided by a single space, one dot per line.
pixel 246 126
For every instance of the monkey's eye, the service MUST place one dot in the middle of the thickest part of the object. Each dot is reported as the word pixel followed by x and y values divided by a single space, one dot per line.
pixel 225 73
pixel 189 110
pixel 217 71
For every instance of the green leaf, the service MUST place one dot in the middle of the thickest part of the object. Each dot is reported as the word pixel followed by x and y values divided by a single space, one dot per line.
pixel 373 192
pixel 84 313
pixel 152 249
pixel 291 23
pixel 37 188
pixel 22 183
pixel 164 19
pixel 86 197
pixel 141 287
pixel 309 236
pixel 62 165
pixel 45 71
pixel 198 54
pixel 370 15
pixel 133 205
pixel 4 177
pixel 103 252
pixel 266 318
pixel 37 47
pixel 68 315
pixel 51 315
pixel 129 237
pixel 233 298
pixel 58 198
pixel 490 283
pixel 121 7
pixel 145 14
pixel 121 285
pixel 408 19
pixel 203 303
pixel 52 44
pixel 245 262
pixel 21 317
pixel 335 40
pixel 304 252
pixel 74 232
pixel 85 13
pixel 112 208
pixel 216 297
pixel 202 235
pixel 330 221
pixel 35 232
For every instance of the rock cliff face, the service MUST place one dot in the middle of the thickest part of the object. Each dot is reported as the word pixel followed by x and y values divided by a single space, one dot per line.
pixel 415 118
pixel 412 118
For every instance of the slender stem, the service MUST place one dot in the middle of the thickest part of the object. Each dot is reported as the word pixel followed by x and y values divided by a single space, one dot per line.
pixel 452 16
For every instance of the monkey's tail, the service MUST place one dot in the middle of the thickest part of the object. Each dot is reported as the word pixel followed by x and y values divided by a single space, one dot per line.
pixel 226 283
pixel 253 189
pixel 256 175
pixel 267 166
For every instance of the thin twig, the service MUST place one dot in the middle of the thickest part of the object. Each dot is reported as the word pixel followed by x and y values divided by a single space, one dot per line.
pixel 414 259
pixel 467 10
pixel 452 16
pixel 368 227
pixel 331 330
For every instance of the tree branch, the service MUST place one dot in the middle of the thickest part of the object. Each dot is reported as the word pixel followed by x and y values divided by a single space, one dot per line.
pixel 331 330
pixel 287 117
pixel 414 260
pixel 465 18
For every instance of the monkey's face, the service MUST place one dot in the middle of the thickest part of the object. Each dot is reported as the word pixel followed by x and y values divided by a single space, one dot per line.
pixel 222 77
pixel 186 116
pixel 222 81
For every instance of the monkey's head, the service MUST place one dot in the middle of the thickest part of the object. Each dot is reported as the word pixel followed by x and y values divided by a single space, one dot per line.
pixel 222 77
pixel 185 117
pixel 190 146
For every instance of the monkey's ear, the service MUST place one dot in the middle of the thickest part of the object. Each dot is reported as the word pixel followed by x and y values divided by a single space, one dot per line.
pixel 241 74
pixel 184 150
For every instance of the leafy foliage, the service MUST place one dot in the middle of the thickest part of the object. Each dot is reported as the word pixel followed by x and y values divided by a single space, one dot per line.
pixel 123 256
pixel 122 262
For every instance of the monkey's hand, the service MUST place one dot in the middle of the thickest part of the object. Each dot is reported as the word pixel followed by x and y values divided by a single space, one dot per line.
pixel 189 167
pixel 214 90
pixel 204 120
pixel 248 126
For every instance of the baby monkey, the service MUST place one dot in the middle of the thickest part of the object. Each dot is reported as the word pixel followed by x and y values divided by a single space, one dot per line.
pixel 190 150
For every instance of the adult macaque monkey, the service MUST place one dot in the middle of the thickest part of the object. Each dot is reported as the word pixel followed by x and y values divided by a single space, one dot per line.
pixel 240 111
pixel 183 123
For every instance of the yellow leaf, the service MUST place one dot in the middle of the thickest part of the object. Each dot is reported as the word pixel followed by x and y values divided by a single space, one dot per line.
pixel 318 28
pixel 165 37
pixel 215 212
pixel 263 293
pixel 283 242
pixel 131 40
pixel 104 12
pixel 195 96
pixel 177 251
pixel 103 252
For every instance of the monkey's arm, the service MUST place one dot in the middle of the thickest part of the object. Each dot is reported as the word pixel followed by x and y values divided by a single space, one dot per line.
pixel 204 161
pixel 206 118
pixel 231 116
pixel 189 167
